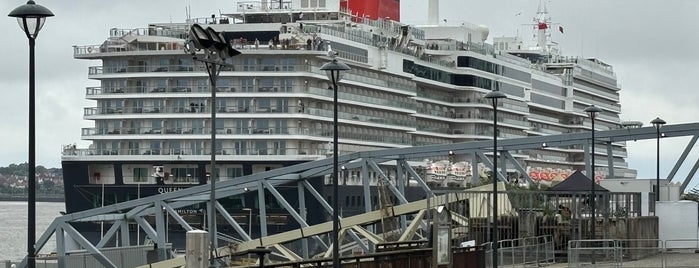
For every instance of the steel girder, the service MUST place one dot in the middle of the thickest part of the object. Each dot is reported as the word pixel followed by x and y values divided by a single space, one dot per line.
pixel 154 205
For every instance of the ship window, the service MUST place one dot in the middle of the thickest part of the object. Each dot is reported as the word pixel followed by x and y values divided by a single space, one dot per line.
pixel 175 147
pixel 140 175
pixel 234 172
pixel 279 147
pixel 249 64
pixel 288 64
pixel 546 87
pixel 184 175
pixel 269 64
pixel 185 62
pixel 247 84
pixel 261 147
pixel 286 85
pixel 154 147
pixel 304 3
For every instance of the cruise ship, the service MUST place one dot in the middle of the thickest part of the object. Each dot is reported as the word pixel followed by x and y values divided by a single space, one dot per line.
pixel 409 85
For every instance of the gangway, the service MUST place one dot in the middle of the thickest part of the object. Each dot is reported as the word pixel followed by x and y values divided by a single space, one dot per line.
pixel 349 223
pixel 117 217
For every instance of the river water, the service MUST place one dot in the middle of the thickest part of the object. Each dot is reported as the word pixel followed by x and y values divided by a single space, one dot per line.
pixel 13 227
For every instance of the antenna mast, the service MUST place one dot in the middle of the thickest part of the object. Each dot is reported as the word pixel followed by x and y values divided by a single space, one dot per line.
pixel 542 22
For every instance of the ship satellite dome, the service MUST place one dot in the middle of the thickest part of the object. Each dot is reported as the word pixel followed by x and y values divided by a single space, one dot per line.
pixel 484 32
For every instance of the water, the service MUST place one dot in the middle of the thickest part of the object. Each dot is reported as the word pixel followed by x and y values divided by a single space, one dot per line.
pixel 13 227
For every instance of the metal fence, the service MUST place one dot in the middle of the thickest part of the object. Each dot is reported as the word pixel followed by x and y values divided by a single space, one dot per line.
pixel 639 253
pixel 681 253
pixel 522 252
pixel 563 216
pixel 122 257
pixel 594 253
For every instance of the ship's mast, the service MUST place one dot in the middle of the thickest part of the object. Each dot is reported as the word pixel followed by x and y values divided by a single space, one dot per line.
pixel 543 22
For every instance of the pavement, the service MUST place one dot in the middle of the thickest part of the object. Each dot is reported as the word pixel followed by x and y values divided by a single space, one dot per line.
pixel 666 260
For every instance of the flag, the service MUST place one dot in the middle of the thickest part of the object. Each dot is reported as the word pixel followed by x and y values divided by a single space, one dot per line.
pixel 560 28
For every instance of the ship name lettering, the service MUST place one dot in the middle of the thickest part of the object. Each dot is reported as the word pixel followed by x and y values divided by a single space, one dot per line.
pixel 163 190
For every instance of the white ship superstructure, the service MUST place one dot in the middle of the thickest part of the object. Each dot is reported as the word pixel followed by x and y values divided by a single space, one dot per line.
pixel 409 86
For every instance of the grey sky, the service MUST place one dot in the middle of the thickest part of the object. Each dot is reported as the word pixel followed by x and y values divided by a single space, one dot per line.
pixel 651 44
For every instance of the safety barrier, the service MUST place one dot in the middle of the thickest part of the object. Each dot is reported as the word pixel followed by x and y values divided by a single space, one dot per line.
pixel 681 253
pixel 522 252
pixel 634 253
pixel 595 253
pixel 641 252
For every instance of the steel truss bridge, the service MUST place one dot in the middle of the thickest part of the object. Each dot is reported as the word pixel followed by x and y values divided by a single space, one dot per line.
pixel 118 216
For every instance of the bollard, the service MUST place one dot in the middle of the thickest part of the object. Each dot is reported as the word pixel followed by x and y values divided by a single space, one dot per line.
pixel 197 255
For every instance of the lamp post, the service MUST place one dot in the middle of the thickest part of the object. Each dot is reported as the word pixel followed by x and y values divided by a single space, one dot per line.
pixel 216 51
pixel 592 112
pixel 31 18
pixel 494 96
pixel 657 123
pixel 334 69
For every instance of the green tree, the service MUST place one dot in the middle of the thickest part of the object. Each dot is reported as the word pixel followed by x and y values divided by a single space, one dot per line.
pixel 48 185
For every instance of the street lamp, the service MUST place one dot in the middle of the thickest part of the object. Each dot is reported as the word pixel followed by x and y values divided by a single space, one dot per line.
pixel 592 112
pixel 31 18
pixel 494 96
pixel 216 50
pixel 334 69
pixel 657 123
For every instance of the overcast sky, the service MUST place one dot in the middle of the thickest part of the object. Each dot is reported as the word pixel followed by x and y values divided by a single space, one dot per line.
pixel 652 46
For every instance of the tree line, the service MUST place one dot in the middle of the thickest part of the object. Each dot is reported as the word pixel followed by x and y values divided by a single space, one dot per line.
pixel 23 170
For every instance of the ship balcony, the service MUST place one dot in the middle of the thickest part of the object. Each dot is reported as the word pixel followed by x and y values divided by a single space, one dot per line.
pixel 600 150
pixel 351 76
pixel 257 6
pixel 541 131
pixel 595 92
pixel 461 133
pixel 240 133
pixel 372 120
pixel 452 101
pixel 119 92
pixel 401 103
pixel 347 78
pixel 607 106
pixel 313 153
pixel 158 68
pixel 449 98
pixel 521 124
pixel 101 70
pixel 93 113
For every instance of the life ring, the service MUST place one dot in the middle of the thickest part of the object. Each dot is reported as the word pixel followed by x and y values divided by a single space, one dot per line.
pixel 553 175
pixel 89 49
pixel 598 178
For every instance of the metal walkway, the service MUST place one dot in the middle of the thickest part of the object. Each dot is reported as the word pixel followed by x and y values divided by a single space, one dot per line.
pixel 118 216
